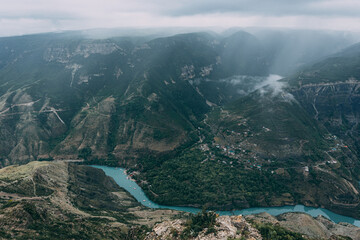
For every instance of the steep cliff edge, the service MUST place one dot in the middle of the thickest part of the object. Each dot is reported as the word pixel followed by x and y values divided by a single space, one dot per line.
pixel 57 200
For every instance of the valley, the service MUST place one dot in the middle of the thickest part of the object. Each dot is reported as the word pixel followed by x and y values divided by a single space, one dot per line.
pixel 198 119
pixel 126 182
pixel 60 200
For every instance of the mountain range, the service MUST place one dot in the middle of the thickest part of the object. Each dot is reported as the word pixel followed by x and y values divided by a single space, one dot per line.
pixel 202 117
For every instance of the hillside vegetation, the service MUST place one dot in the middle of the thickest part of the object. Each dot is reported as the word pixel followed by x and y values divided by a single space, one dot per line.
pixel 200 117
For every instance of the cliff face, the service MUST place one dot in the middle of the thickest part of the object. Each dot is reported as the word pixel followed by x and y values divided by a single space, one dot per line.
pixel 330 93
pixel 336 105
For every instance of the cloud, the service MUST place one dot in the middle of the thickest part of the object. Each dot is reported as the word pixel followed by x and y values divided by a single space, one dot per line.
pixel 244 7
pixel 20 26
pixel 43 15
pixel 271 83
pixel 249 84
pixel 265 86
pixel 338 8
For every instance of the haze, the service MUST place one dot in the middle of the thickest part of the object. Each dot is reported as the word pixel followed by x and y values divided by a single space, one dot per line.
pixel 25 17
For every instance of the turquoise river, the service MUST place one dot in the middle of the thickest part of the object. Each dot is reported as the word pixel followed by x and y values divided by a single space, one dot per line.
pixel 120 177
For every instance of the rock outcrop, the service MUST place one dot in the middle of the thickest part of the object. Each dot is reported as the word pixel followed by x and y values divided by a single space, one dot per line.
pixel 227 227
pixel 314 228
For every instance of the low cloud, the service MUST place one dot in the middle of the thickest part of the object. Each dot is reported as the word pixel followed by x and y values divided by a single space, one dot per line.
pixel 264 85
pixel 272 84
pixel 249 84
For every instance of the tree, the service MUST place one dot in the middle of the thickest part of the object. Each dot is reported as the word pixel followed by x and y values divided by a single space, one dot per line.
pixel 85 153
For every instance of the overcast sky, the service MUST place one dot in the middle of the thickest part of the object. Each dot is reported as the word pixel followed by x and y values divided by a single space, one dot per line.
pixel 19 17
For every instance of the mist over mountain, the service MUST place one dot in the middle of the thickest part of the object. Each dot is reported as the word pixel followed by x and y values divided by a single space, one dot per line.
pixel 228 120
pixel 53 84
pixel 291 49
pixel 168 119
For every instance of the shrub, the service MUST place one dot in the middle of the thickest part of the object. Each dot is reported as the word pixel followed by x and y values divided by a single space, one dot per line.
pixel 199 222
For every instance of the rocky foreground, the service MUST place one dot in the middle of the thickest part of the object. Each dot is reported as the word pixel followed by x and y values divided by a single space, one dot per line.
pixel 261 226
pixel 58 200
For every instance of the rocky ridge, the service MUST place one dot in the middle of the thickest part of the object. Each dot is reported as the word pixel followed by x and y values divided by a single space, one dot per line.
pixel 233 227
pixel 254 227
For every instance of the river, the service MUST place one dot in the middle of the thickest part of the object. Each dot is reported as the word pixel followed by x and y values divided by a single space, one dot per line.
pixel 123 181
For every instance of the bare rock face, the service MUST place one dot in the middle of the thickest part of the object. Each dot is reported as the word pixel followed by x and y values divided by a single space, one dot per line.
pixel 233 227
pixel 342 229
pixel 314 228
pixel 166 229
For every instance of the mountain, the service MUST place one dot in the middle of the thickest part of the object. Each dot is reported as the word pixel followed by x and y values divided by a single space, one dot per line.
pixel 289 50
pixel 289 141
pixel 338 67
pixel 260 150
pixel 329 91
pixel 62 94
pixel 123 97
pixel 199 115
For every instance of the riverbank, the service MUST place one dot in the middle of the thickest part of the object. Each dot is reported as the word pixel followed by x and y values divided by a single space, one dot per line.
pixel 135 190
